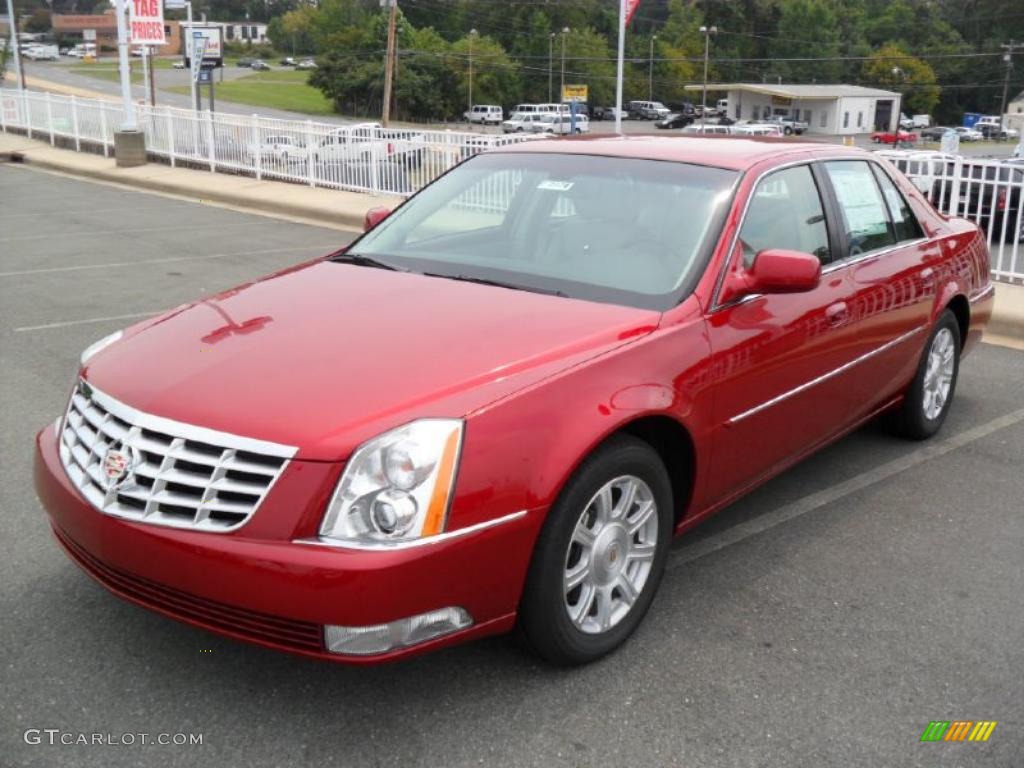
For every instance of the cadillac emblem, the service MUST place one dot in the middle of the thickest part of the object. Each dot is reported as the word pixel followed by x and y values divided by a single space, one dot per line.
pixel 118 463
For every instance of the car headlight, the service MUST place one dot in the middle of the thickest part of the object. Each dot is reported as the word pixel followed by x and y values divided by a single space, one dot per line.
pixel 396 487
pixel 96 346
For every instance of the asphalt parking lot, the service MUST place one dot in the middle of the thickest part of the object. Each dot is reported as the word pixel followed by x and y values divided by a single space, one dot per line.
pixel 822 621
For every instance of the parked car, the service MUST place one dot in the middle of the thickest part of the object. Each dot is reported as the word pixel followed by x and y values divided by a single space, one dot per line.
pixel 369 142
pixel 523 122
pixel 934 133
pixel 406 447
pixel 244 62
pixel 890 137
pixel 259 65
pixel 178 64
pixel 485 114
pixel 968 134
pixel 288 61
pixel 280 148
pixel 561 125
pixel 306 64
pixel 606 113
pixel 39 52
pixel 757 129
pixel 787 125
pixel 647 110
pixel 988 194
pixel 996 132
pixel 674 120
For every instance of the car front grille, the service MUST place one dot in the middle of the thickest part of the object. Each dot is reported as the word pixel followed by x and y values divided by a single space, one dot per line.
pixel 174 474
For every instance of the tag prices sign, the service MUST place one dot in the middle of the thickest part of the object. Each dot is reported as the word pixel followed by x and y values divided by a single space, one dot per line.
pixel 146 22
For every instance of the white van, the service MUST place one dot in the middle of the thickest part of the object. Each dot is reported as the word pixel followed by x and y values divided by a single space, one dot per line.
pixel 541 109
pixel 485 114
pixel 716 130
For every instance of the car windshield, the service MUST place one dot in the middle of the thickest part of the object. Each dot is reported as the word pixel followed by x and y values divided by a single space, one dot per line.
pixel 618 230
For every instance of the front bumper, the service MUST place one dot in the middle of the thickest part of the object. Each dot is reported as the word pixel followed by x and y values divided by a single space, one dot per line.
pixel 278 593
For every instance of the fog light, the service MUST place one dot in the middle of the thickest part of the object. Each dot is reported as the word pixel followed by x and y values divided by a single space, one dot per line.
pixel 381 638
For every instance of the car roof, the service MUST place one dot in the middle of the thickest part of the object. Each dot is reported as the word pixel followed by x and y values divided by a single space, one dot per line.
pixel 734 152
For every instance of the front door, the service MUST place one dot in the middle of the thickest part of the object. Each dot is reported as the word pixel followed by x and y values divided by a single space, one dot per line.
pixel 778 359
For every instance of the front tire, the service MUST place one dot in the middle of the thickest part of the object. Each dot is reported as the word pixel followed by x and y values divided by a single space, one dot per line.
pixel 600 556
pixel 930 395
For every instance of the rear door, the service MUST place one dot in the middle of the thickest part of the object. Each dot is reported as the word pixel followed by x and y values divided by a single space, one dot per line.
pixel 892 268
pixel 779 360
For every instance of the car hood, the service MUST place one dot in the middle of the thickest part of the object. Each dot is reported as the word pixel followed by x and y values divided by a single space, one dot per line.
pixel 326 355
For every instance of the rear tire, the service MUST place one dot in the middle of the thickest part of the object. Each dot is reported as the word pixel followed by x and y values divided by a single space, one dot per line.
pixel 600 556
pixel 928 399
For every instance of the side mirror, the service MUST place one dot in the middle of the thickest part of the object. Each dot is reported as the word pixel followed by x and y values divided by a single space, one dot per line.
pixel 375 216
pixel 780 271
pixel 774 270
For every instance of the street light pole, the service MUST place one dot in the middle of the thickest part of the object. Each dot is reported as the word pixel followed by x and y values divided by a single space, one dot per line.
pixel 129 123
pixel 389 63
pixel 15 49
pixel 472 34
pixel 565 31
pixel 707 32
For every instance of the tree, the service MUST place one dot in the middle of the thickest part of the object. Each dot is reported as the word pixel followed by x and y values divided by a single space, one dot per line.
pixel 39 21
pixel 807 29
pixel 495 75
pixel 891 67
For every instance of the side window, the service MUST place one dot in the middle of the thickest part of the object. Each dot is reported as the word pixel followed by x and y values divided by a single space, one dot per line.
pixel 904 222
pixel 865 221
pixel 786 212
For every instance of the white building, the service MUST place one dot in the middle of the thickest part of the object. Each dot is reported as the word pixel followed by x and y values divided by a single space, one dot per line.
pixel 1014 117
pixel 835 109
pixel 242 31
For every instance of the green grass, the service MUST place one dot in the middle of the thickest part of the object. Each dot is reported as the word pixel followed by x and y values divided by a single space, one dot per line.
pixel 108 70
pixel 284 89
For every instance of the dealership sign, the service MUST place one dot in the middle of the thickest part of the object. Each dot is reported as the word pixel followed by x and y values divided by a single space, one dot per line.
pixel 146 22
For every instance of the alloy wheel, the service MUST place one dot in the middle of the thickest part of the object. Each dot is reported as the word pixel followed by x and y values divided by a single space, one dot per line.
pixel 938 376
pixel 610 554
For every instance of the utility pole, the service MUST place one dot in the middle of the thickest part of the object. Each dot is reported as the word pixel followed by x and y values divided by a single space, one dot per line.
pixel 15 47
pixel 389 61
pixel 650 71
pixel 561 95
pixel 472 34
pixel 707 32
pixel 551 66
pixel 1008 58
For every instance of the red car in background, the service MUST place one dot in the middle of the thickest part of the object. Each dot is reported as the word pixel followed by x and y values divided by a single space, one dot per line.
pixel 499 405
pixel 899 137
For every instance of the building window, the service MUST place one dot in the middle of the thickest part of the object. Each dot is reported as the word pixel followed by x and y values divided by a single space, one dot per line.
pixel 846 119
pixel 860 119
pixel 252 32
pixel 824 118
pixel 755 113
pixel 167 31
pixel 245 33
pixel 229 33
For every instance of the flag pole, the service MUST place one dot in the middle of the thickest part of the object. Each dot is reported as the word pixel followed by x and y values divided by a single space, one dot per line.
pixel 618 66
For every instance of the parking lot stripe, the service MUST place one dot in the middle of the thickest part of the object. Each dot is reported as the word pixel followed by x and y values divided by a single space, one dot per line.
pixel 87 321
pixel 46 270
pixel 110 232
pixel 816 501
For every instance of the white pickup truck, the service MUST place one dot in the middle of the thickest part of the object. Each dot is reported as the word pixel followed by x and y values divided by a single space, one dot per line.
pixel 371 141
pixel 787 125
pixel 37 52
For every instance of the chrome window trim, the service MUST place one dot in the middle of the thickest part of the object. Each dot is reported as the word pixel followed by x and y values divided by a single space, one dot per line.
pixel 848 261
pixel 823 378
pixel 393 546
pixel 831 266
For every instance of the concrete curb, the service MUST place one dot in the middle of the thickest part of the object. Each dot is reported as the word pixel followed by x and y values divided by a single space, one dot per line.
pixel 1008 312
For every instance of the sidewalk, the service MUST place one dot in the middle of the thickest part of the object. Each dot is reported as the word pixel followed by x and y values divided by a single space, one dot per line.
pixel 1007 324
pixel 324 207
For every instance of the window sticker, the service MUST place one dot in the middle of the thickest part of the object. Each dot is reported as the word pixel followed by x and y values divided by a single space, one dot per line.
pixel 555 185
pixel 858 197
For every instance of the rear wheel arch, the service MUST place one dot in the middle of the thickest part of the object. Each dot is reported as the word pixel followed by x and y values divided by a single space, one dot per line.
pixel 961 309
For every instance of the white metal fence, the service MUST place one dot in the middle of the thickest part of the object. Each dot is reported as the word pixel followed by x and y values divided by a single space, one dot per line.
pixel 363 157
pixel 988 192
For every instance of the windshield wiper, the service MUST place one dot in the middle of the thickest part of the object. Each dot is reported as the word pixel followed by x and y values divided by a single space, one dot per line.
pixel 364 261
pixel 499 284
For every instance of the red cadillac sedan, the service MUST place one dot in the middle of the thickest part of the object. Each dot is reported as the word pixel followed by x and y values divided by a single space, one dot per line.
pixel 496 408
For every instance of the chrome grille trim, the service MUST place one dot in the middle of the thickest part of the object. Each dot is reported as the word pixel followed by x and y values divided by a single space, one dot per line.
pixel 185 476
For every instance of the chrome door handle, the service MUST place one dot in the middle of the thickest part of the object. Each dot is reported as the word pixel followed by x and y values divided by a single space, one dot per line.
pixel 837 313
